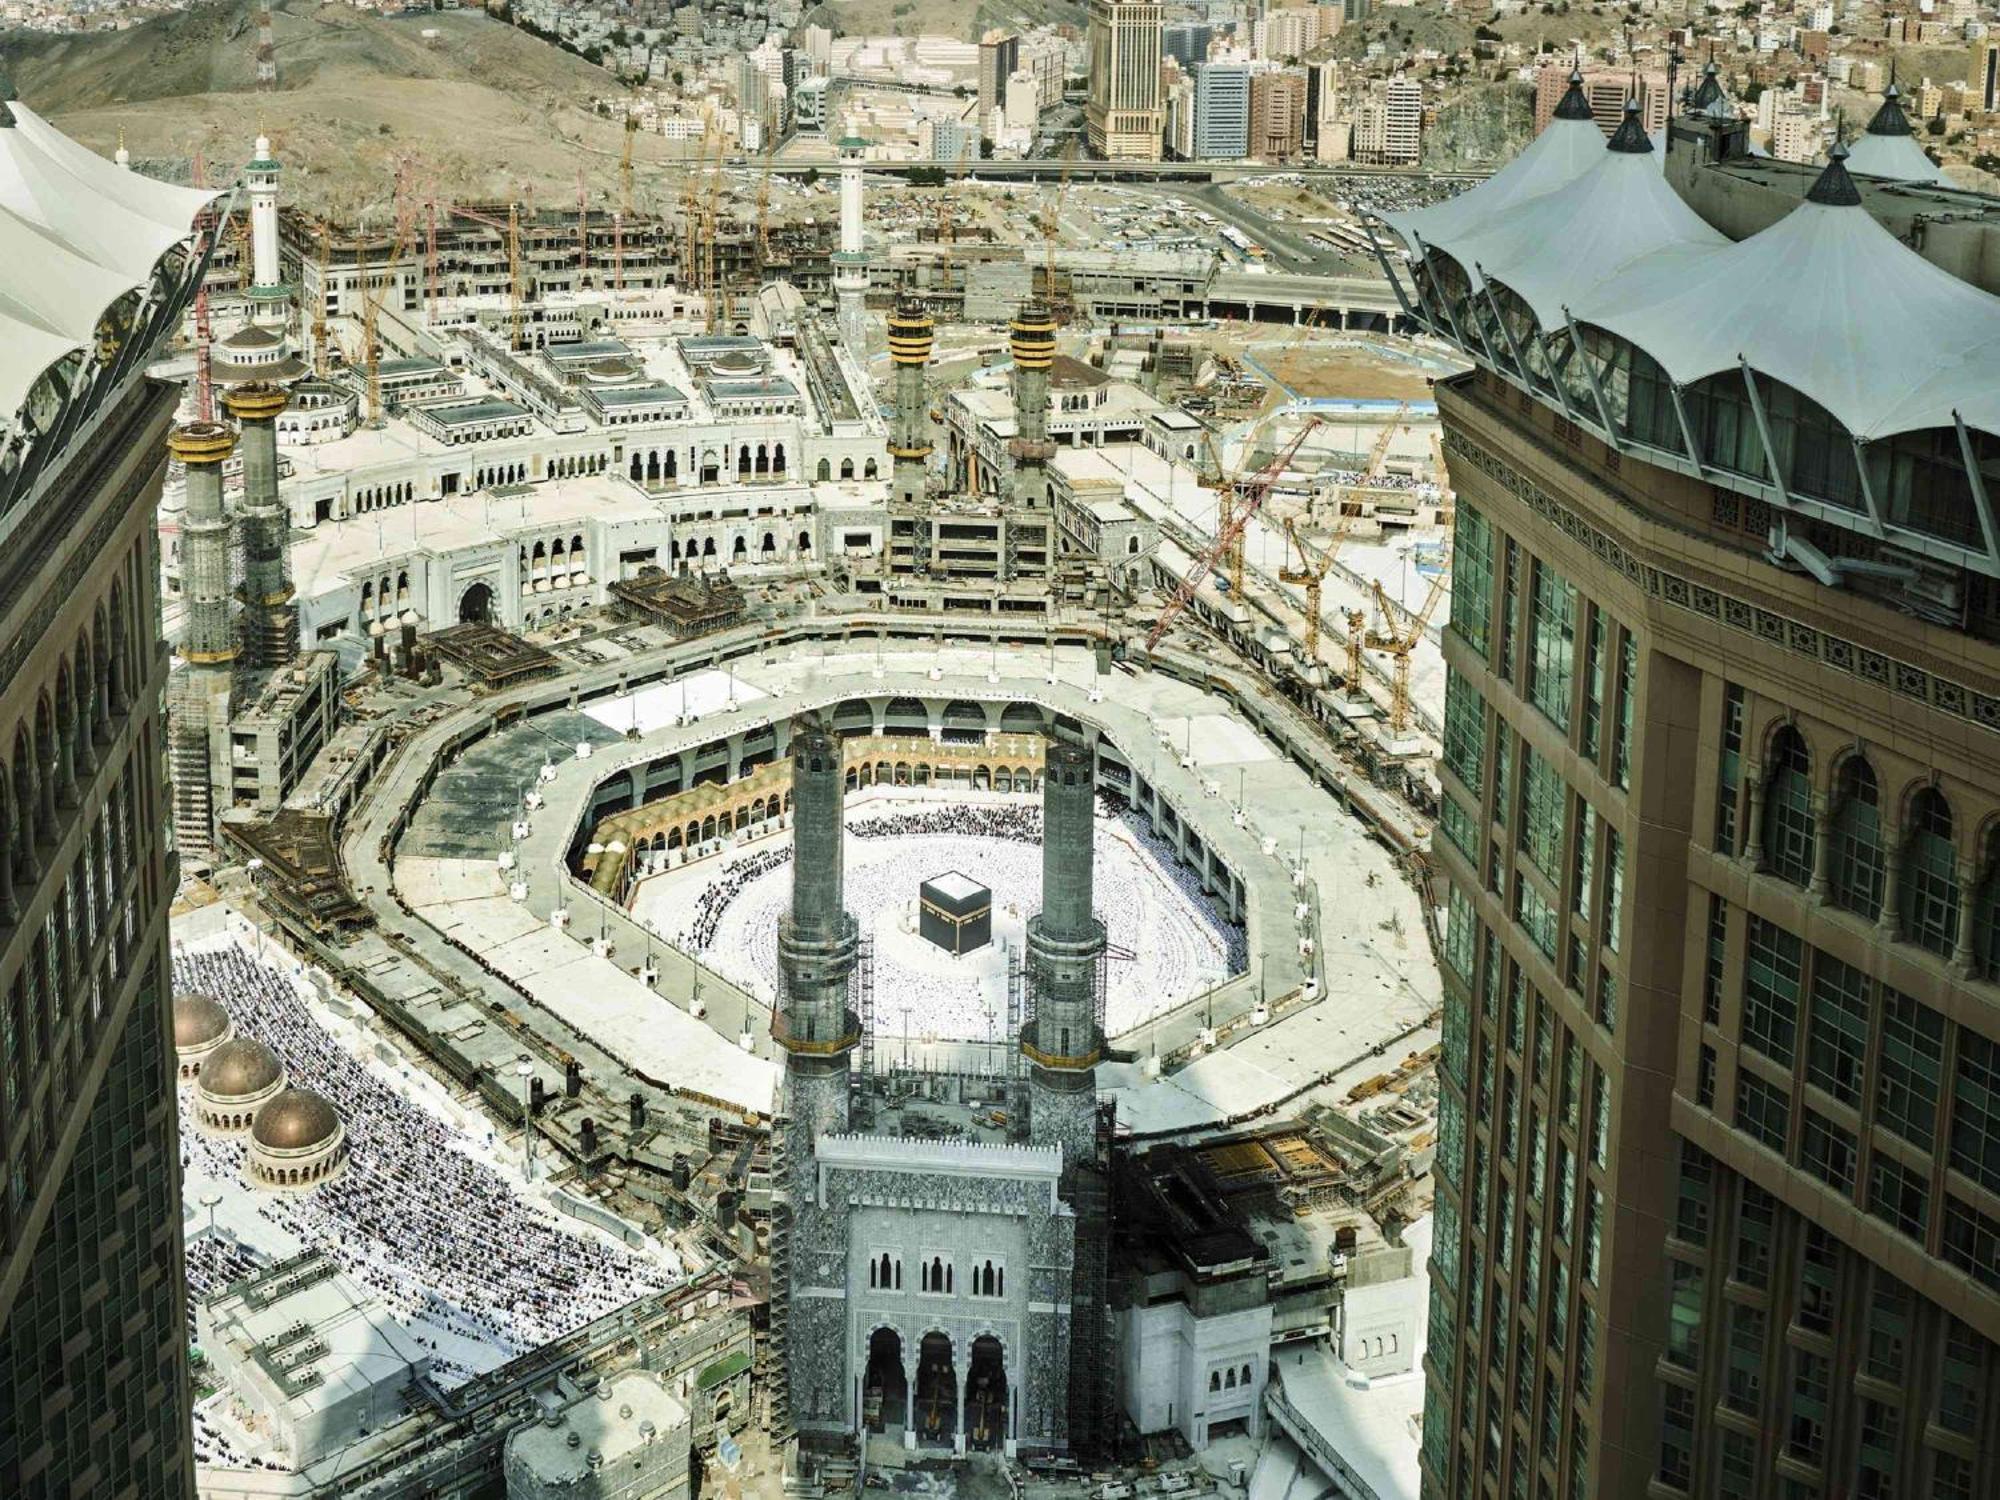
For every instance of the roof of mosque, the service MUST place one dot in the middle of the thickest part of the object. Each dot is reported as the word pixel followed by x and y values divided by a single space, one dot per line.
pixel 296 1120
pixel 198 1020
pixel 239 1068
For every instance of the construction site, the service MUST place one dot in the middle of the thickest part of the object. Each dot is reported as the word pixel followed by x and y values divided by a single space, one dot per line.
pixel 557 591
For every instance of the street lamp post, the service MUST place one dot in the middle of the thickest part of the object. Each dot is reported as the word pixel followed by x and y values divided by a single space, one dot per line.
pixel 525 1070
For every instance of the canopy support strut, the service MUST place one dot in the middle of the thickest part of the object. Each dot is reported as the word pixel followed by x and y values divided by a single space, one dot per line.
pixel 1981 502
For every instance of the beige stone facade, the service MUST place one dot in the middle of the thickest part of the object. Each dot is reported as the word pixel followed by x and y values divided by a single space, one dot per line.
pixel 1721 1155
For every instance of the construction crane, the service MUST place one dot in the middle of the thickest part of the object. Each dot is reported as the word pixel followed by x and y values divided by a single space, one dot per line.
pixel 1214 477
pixel 371 313
pixel 624 210
pixel 1399 645
pixel 764 206
pixel 204 333
pixel 1312 574
pixel 1371 467
pixel 1051 228
pixel 1248 500
pixel 511 228
pixel 319 303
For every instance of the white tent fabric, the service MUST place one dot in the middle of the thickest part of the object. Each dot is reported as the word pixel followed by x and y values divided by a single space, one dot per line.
pixel 76 234
pixel 1894 156
pixel 171 207
pixel 1911 343
pixel 1551 159
pixel 1552 249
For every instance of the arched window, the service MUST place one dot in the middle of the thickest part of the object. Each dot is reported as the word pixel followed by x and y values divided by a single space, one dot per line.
pixel 1215 1380
pixel 1246 1374
pixel 1855 877
pixel 1788 813
pixel 872 1268
pixel 936 1274
pixel 1930 875
pixel 1229 1381
pixel 847 468
pixel 825 470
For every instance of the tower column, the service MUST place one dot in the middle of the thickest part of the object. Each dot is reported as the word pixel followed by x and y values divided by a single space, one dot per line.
pixel 817 1031
pixel 267 288
pixel 199 692
pixel 910 341
pixel 1065 964
pixel 270 619
pixel 850 261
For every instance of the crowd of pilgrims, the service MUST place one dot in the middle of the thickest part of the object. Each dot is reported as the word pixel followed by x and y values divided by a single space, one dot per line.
pixel 1154 960
pixel 442 1238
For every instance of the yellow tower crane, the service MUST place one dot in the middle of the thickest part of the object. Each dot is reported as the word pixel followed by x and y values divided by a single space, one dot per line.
pixel 1378 455
pixel 1312 574
pixel 1216 478
pixel 764 205
pixel 1399 645
pixel 373 289
pixel 319 303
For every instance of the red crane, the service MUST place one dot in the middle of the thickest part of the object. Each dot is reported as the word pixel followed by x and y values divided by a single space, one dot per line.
pixel 1249 498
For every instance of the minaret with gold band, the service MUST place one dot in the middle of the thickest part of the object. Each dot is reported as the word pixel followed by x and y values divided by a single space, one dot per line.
pixel 1034 350
pixel 910 340
pixel 270 619
pixel 210 639
pixel 198 694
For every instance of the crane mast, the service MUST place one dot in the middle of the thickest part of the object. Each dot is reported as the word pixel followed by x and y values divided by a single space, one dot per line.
pixel 1249 499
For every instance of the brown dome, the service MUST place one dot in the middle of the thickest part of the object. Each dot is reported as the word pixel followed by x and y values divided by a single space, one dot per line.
pixel 296 1120
pixel 199 1021
pixel 239 1068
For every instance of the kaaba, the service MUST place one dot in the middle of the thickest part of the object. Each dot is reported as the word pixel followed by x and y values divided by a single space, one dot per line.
pixel 956 912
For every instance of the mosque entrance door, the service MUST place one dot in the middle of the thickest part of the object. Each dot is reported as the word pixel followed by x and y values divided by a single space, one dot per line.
pixel 986 1394
pixel 937 1391
pixel 885 1389
pixel 476 607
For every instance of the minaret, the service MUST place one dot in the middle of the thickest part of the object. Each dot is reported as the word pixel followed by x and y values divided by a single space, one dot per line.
pixel 267 292
pixel 817 1031
pixel 121 156
pixel 200 693
pixel 850 262
pixel 910 335
pixel 1065 964
pixel 270 619
pixel 1034 350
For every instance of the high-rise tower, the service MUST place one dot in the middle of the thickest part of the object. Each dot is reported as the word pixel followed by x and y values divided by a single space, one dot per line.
pixel 93 1333
pixel 1718 1169
pixel 201 688
pixel 1062 1041
pixel 1126 115
pixel 268 293
pixel 1033 343
pixel 1065 963
pixel 910 331
pixel 850 261
pixel 270 619
pixel 818 1031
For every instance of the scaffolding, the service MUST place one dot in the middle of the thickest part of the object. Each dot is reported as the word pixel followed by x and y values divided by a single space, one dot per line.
pixel 1017 1008
pixel 1092 1390
pixel 861 1000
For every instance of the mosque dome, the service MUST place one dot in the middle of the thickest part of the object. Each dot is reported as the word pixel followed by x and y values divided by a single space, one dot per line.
pixel 296 1120
pixel 240 1069
pixel 199 1021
